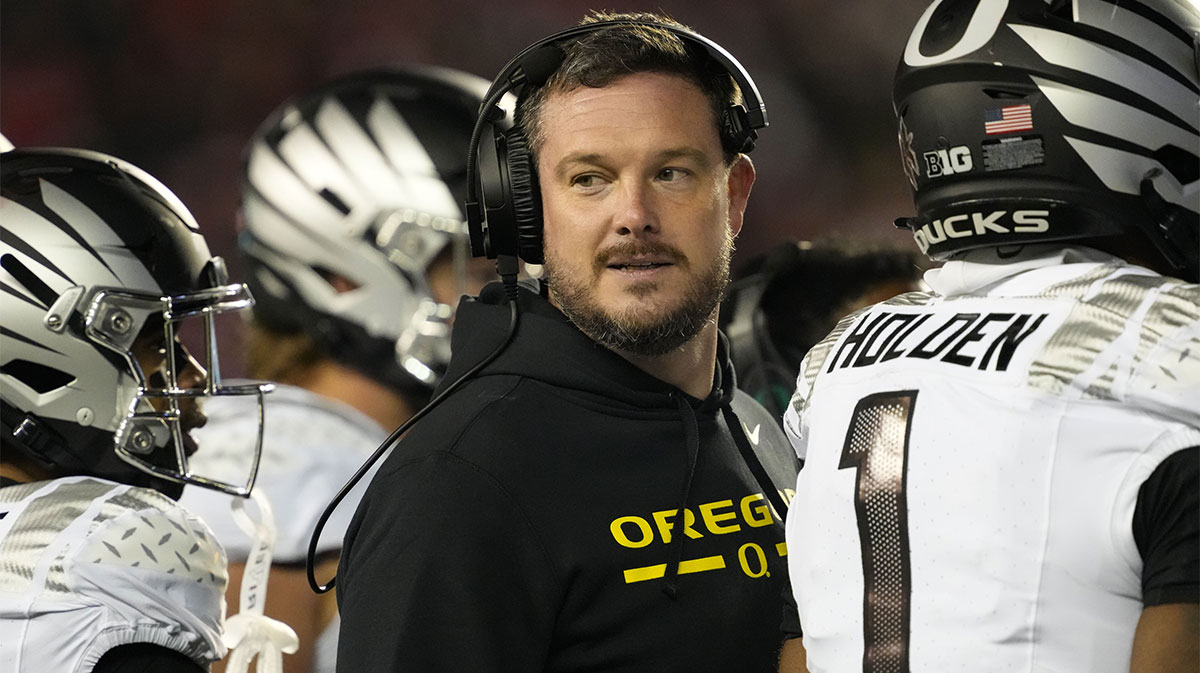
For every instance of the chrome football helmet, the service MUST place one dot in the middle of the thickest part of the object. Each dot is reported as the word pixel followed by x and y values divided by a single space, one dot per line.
pixel 363 179
pixel 1046 120
pixel 102 269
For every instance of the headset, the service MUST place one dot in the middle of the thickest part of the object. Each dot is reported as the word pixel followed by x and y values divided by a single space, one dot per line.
pixel 504 205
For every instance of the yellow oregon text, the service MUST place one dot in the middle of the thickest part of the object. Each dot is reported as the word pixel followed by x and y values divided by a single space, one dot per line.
pixel 716 518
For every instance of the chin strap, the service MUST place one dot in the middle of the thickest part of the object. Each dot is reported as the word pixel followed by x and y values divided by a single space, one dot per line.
pixel 250 633
pixel 37 441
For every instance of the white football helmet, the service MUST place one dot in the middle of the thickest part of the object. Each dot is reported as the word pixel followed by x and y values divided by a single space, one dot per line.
pixel 363 179
pixel 101 262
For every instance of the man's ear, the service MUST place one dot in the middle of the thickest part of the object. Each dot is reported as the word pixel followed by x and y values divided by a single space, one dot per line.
pixel 741 180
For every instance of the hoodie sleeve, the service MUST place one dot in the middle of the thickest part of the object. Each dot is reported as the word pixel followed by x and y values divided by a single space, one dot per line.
pixel 442 572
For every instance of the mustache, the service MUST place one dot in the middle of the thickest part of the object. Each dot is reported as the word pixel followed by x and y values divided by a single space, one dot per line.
pixel 640 248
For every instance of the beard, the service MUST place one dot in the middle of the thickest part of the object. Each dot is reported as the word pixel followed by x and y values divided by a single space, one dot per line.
pixel 645 329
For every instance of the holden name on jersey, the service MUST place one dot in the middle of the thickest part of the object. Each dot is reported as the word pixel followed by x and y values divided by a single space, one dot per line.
pixel 973 339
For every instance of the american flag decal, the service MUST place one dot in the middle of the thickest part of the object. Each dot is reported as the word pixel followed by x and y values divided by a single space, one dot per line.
pixel 1008 119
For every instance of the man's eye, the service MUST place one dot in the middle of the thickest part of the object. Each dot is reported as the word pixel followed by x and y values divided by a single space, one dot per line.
pixel 670 174
pixel 585 181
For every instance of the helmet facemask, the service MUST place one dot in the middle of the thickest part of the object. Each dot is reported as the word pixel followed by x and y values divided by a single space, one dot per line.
pixel 416 243
pixel 166 385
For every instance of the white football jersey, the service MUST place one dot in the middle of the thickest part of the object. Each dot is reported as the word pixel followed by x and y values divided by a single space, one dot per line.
pixel 972 464
pixel 312 445
pixel 87 565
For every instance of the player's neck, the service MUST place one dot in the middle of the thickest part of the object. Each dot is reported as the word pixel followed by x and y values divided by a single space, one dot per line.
pixel 382 404
pixel 18 468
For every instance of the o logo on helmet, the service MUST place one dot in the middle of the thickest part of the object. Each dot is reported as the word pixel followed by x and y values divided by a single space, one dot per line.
pixel 984 22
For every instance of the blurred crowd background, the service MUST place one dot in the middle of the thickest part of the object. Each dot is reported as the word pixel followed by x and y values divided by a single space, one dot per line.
pixel 178 86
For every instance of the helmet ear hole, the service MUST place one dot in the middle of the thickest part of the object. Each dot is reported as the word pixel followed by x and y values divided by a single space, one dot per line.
pixel 1180 163
pixel 41 378
pixel 1002 94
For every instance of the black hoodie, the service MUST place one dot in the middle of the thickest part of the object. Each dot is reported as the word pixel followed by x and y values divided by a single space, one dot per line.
pixel 528 523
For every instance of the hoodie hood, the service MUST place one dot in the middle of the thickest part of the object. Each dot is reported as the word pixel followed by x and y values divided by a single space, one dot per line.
pixel 549 348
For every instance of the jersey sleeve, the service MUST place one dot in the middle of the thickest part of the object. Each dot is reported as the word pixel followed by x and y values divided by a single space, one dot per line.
pixel 1166 529
pixel 795 418
pixel 791 425
pixel 159 575
pixel 1166 377
pixel 143 658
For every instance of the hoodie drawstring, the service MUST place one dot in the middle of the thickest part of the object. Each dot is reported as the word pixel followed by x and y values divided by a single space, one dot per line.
pixel 691 434
pixel 750 458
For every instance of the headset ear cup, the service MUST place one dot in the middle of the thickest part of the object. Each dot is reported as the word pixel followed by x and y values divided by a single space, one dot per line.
pixel 736 133
pixel 526 197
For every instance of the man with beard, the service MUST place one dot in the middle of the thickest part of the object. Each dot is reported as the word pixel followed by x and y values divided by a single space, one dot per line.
pixel 597 495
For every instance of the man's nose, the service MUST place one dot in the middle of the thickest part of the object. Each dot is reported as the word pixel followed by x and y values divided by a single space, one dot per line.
pixel 636 213
pixel 193 374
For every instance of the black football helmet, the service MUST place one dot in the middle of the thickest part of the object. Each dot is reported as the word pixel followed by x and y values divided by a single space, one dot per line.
pixel 1023 121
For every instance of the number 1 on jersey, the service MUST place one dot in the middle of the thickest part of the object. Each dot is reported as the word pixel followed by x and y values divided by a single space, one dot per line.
pixel 877 448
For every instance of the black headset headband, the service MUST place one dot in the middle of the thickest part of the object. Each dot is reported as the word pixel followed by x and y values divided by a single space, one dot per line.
pixel 535 63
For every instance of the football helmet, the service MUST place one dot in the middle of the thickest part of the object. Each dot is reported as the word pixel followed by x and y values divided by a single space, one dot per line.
pixel 1023 121
pixel 98 263
pixel 363 179
pixel 786 300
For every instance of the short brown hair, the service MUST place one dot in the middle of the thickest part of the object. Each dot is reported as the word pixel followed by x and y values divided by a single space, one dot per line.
pixel 599 58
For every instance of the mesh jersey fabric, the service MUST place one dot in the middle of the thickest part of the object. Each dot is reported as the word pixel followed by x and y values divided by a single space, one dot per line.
pixel 973 458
